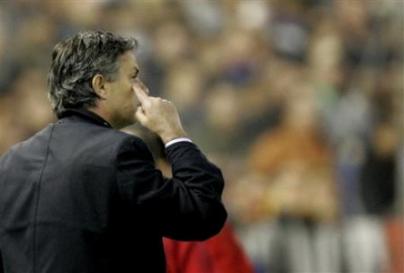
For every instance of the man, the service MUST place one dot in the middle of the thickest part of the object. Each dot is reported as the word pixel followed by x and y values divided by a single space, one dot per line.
pixel 80 196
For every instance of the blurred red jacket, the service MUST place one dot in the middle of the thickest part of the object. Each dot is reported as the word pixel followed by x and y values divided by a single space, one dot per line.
pixel 220 254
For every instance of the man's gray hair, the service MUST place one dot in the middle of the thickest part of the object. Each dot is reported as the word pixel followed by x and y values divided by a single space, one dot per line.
pixel 76 60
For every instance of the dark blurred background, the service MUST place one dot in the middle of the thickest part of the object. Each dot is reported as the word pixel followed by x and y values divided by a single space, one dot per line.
pixel 301 103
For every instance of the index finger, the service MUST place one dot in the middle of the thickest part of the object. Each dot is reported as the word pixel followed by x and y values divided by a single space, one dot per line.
pixel 140 94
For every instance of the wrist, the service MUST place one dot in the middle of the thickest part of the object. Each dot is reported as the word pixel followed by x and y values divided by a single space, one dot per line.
pixel 169 136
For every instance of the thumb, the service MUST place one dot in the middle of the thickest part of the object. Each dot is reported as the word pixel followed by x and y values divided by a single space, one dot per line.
pixel 140 115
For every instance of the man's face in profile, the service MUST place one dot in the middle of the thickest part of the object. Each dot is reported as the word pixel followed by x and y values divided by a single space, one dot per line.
pixel 122 101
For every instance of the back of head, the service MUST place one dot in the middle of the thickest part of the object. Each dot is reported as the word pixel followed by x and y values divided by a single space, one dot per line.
pixel 76 60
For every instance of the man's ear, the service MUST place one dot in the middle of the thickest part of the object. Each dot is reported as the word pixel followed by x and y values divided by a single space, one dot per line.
pixel 98 84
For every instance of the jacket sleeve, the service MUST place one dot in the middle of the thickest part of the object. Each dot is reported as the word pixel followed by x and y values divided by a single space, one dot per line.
pixel 185 207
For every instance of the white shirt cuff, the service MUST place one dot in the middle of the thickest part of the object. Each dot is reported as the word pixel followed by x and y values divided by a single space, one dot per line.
pixel 176 140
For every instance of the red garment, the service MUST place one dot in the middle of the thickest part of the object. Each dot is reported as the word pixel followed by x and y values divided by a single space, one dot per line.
pixel 220 254
pixel 395 242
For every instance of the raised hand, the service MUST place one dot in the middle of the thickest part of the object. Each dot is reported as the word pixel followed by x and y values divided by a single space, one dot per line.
pixel 158 115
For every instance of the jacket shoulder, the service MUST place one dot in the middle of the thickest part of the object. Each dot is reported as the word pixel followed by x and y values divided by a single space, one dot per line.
pixel 99 144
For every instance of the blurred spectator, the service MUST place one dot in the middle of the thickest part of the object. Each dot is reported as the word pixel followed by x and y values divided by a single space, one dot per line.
pixel 300 189
pixel 204 17
pixel 378 188
pixel 297 161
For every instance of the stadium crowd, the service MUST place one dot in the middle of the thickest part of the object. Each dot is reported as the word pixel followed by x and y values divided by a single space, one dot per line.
pixel 299 101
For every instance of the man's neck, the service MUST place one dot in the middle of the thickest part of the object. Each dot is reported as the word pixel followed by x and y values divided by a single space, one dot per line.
pixel 102 113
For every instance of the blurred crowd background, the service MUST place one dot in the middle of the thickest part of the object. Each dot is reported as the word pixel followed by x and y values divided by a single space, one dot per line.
pixel 300 102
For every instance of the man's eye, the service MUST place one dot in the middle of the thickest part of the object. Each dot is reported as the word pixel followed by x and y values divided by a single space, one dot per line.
pixel 135 75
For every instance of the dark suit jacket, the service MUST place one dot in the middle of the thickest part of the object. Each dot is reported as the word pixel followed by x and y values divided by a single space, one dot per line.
pixel 81 197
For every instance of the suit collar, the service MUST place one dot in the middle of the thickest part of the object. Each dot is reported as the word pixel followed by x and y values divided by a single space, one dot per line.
pixel 88 115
